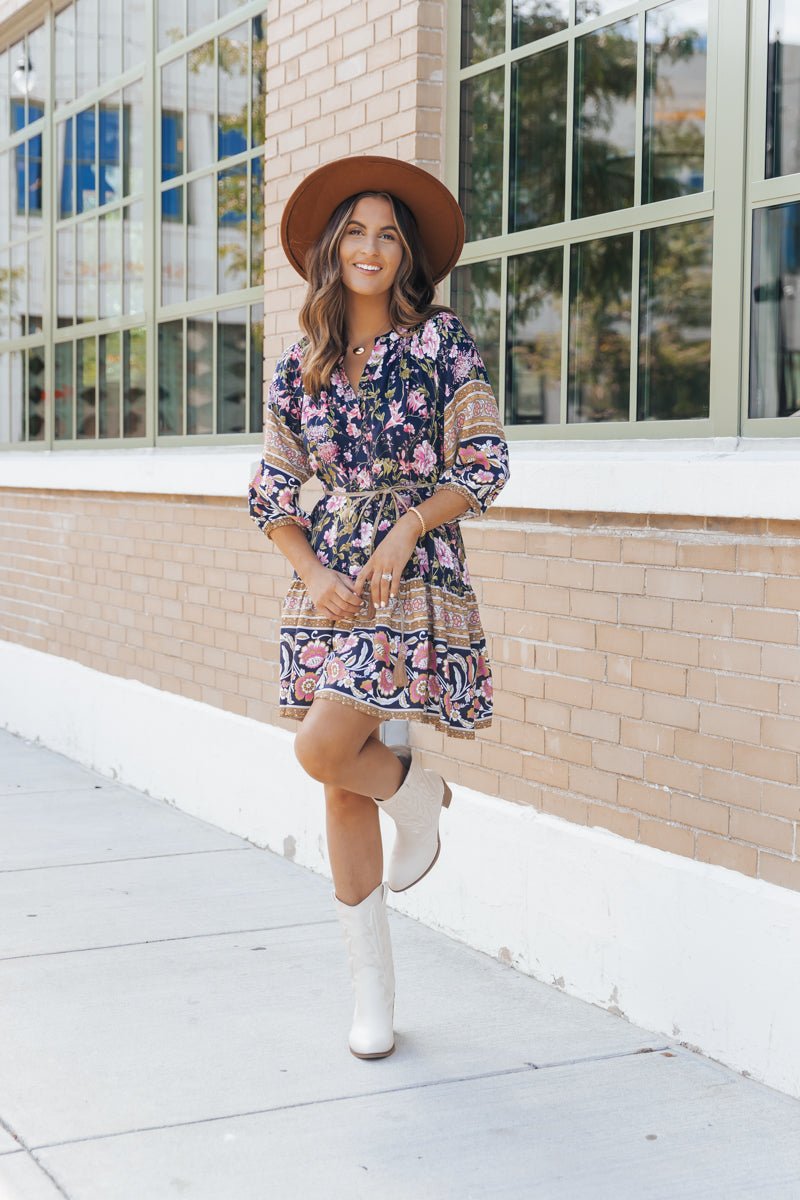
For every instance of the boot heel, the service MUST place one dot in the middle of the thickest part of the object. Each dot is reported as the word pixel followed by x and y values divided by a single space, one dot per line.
pixel 448 796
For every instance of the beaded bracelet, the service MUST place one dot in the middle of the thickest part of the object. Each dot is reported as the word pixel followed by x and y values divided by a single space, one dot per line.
pixel 420 518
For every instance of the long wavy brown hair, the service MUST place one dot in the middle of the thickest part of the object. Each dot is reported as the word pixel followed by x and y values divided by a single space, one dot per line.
pixel 322 317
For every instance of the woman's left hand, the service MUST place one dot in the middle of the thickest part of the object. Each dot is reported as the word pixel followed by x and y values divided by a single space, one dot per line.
pixel 384 567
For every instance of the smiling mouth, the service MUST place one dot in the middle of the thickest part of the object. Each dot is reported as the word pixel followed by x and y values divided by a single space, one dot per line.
pixel 367 270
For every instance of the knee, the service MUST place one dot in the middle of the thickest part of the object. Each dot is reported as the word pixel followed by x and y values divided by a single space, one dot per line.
pixel 320 755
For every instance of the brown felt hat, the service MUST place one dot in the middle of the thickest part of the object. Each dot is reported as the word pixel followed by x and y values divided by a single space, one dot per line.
pixel 438 216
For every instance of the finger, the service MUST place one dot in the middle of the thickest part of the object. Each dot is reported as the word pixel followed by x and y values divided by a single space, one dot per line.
pixel 349 600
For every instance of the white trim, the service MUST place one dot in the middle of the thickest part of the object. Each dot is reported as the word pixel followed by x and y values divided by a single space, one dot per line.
pixel 693 951
pixel 725 477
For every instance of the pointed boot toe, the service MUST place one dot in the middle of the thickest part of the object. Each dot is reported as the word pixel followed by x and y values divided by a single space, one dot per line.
pixel 415 809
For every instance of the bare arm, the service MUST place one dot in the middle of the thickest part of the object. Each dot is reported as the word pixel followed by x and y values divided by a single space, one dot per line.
pixel 332 592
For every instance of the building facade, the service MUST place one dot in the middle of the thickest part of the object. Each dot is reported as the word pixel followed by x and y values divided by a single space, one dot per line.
pixel 630 179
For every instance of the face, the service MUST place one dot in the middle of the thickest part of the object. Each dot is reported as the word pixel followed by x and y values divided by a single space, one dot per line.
pixel 371 240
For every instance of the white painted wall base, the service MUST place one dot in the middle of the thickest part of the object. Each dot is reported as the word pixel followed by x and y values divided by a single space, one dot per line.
pixel 696 952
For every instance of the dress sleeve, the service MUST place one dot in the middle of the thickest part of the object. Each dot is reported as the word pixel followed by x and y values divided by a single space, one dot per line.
pixel 474 448
pixel 274 490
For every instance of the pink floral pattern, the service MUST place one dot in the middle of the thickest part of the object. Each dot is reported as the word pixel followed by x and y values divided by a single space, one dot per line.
pixel 424 417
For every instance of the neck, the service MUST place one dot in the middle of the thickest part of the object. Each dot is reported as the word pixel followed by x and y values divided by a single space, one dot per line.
pixel 365 317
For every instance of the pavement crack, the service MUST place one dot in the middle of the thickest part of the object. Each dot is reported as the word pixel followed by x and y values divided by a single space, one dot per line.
pixel 102 862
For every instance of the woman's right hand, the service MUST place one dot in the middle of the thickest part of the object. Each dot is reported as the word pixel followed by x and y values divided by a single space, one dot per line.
pixel 333 593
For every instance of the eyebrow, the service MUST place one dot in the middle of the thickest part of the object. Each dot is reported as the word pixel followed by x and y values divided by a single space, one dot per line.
pixel 363 226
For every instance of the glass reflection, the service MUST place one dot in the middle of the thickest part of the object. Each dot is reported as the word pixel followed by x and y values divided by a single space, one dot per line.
pixel 133 257
pixel 232 229
pixel 258 69
pixel 598 381
pixel 18 290
pixel 202 237
pixel 109 151
pixel 170 377
pixel 109 385
pixel 134 382
pixel 173 263
pixel 483 30
pixel 65 55
pixel 775 312
pixel 533 337
pixel 134 25
pixel 480 181
pixel 605 119
pixel 173 88
pixel 86 363
pixel 676 41
pixel 256 368
pixel 233 86
pixel 200 105
pixel 35 368
pixel 535 19
pixel 64 392
pixel 538 139
pixel 86 233
pixel 586 10
pixel 199 374
pixel 783 90
pixel 5 289
pixel 110 264
pixel 86 22
pixel 35 284
pixel 231 370
pixel 133 139
pixel 675 321
pixel 200 14
pixel 5 196
pixel 171 22
pixel 65 300
pixel 16 403
pixel 475 291
pixel 256 223
pixel 109 39
pixel 39 65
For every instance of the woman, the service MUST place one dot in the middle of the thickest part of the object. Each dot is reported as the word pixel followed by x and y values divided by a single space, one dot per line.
pixel 387 401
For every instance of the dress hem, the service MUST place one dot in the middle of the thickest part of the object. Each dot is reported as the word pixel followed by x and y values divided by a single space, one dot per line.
pixel 298 711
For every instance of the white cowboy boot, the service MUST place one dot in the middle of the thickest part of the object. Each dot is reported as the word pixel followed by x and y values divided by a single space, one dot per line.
pixel 415 809
pixel 369 947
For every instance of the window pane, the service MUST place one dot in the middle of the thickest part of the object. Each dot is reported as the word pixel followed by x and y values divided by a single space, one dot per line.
pixel 256 368
pixel 110 39
pixel 86 350
pixel 85 165
pixel 605 125
pixel 533 361
pixel 231 370
pixel 86 24
pixel 200 108
pixel 483 30
pixel 256 223
pixel 134 16
pixel 234 53
pixel 87 270
pixel 65 55
pixel 134 382
pixel 202 237
pixel 39 65
pixel 676 39
pixel 170 377
pixel 16 408
pixel 199 374
pixel 171 21
pixel 110 298
pixel 18 293
pixel 534 19
pixel 232 231
pixel 586 9
pixel 538 139
pixel 783 89
pixel 173 264
pixel 133 252
pixel 64 392
pixel 675 321
pixel 480 184
pixel 36 393
pixel 475 291
pixel 65 140
pixel 258 69
pixel 109 385
pixel 109 148
pixel 133 139
pixel 598 386
pixel 173 95
pixel 5 196
pixel 65 284
pixel 35 284
pixel 774 321
pixel 5 296
pixel 201 13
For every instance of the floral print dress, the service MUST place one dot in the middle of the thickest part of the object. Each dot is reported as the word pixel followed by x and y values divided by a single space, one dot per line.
pixel 424 418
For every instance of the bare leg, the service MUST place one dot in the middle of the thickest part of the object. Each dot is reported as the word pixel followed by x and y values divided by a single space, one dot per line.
pixel 334 745
pixel 354 843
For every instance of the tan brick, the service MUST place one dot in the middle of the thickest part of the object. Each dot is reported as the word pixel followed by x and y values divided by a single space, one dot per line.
pixel 765 625
pixel 708 556
pixel 699 748
pixel 545 599
pixel 546 713
pixel 644 798
pixel 619 578
pixel 774 869
pixel 649 550
pixel 522 735
pixel 575 692
pixel 587 781
pixel 675 839
pixel 586 664
pixel 726 588
pixel 671 647
pixel 701 685
pixel 623 700
pixel 658 677
pixel 569 808
pixel 672 773
pixel 780 662
pixel 726 854
pixel 617 639
pixel 567 632
pixel 762 830
pixel 777 765
pixel 645 610
pixel 549 544
pixel 619 760
pixel 783 593
pixel 771 560
pixel 545 770
pixel 752 694
pixel 603 726
pixel 789 699
pixel 642 735
pixel 502 594
pixel 699 814
pixel 567 747
pixel 781 733
pixel 736 723
pixel 713 619
pixel 673 584
pixel 521 682
pixel 725 655
pixel 569 574
pixel 624 824
pixel 598 547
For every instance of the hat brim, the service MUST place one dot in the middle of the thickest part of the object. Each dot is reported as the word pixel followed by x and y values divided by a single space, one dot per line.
pixel 438 216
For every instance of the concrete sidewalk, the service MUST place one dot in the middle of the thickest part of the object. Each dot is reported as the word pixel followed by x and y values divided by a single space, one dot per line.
pixel 175 1005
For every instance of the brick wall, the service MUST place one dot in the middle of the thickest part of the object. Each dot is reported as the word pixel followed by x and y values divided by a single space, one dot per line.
pixel 647 669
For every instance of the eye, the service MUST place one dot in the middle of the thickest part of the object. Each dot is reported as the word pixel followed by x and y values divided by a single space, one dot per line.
pixel 390 236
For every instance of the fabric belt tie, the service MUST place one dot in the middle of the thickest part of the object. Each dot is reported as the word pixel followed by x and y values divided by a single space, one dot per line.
pixel 400 674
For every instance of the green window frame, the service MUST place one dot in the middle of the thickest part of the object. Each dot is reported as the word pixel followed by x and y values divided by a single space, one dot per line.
pixel 570 296
pixel 86 353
